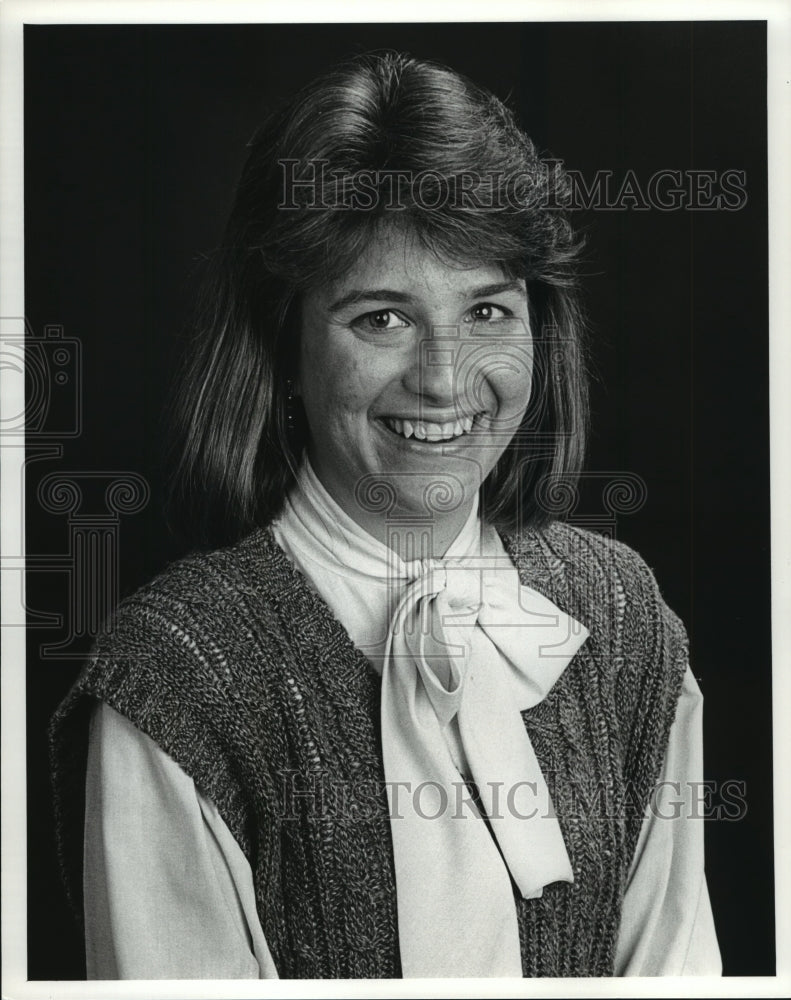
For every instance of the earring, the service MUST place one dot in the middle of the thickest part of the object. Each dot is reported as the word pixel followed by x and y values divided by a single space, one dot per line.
pixel 290 422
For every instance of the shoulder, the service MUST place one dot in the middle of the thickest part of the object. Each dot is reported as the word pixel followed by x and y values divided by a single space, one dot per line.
pixel 581 548
pixel 583 560
pixel 201 620
pixel 212 575
pixel 620 599
pixel 207 587
pixel 602 582
pixel 596 558
pixel 191 656
pixel 635 639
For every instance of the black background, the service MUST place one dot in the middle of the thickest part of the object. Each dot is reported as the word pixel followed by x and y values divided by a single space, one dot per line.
pixel 134 138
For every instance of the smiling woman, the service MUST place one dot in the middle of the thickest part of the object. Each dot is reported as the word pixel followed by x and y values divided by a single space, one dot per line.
pixel 379 410
pixel 390 718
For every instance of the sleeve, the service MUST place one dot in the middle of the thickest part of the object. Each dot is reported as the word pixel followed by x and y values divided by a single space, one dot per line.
pixel 168 893
pixel 667 928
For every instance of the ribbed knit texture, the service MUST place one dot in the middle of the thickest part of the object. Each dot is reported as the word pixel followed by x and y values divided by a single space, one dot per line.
pixel 233 664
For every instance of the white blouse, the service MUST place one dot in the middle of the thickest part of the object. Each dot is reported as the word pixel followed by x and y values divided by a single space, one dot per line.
pixel 169 893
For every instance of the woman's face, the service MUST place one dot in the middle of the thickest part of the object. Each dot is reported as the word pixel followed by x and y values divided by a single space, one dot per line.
pixel 414 374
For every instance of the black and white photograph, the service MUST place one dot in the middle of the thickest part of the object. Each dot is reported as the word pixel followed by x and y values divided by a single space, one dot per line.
pixel 393 563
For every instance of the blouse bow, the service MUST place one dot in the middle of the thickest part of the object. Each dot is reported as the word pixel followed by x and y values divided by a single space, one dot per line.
pixel 469 648
pixel 463 649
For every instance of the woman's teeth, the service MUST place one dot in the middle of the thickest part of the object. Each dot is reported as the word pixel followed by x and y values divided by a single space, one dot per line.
pixel 423 430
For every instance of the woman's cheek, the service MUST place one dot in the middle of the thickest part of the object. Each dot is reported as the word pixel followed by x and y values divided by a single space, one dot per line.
pixel 511 387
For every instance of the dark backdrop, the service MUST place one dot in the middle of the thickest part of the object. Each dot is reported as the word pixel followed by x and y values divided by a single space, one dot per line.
pixel 134 138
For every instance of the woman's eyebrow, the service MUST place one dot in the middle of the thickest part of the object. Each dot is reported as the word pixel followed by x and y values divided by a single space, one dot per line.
pixel 356 296
pixel 369 295
pixel 515 285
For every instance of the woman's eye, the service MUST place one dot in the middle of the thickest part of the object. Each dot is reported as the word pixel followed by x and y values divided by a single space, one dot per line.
pixel 382 319
pixel 484 312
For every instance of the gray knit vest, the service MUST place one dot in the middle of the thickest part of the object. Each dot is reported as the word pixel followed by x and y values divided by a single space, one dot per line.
pixel 234 665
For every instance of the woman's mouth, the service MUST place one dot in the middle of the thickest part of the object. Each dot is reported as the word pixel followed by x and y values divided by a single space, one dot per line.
pixel 426 430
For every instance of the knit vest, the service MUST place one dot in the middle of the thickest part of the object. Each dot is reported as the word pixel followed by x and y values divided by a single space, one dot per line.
pixel 233 664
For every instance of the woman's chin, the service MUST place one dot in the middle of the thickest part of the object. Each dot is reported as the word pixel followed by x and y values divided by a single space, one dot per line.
pixel 412 479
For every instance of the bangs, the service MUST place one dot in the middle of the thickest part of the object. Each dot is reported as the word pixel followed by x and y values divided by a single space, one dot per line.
pixel 330 247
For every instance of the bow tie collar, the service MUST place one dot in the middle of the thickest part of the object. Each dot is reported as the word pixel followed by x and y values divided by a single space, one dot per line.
pixel 463 649
pixel 468 649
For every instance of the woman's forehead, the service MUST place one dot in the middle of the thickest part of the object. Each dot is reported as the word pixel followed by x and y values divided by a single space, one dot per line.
pixel 396 257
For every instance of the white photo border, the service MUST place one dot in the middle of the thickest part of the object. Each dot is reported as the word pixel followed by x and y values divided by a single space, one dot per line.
pixel 13 15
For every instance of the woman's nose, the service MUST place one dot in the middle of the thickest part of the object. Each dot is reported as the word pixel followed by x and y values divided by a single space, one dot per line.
pixel 433 375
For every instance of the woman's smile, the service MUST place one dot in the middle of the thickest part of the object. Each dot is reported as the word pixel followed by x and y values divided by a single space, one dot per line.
pixel 432 432
pixel 414 371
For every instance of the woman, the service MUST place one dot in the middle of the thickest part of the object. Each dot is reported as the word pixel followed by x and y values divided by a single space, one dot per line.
pixel 393 719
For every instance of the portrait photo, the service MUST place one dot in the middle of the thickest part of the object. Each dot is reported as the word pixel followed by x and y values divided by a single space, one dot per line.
pixel 394 551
